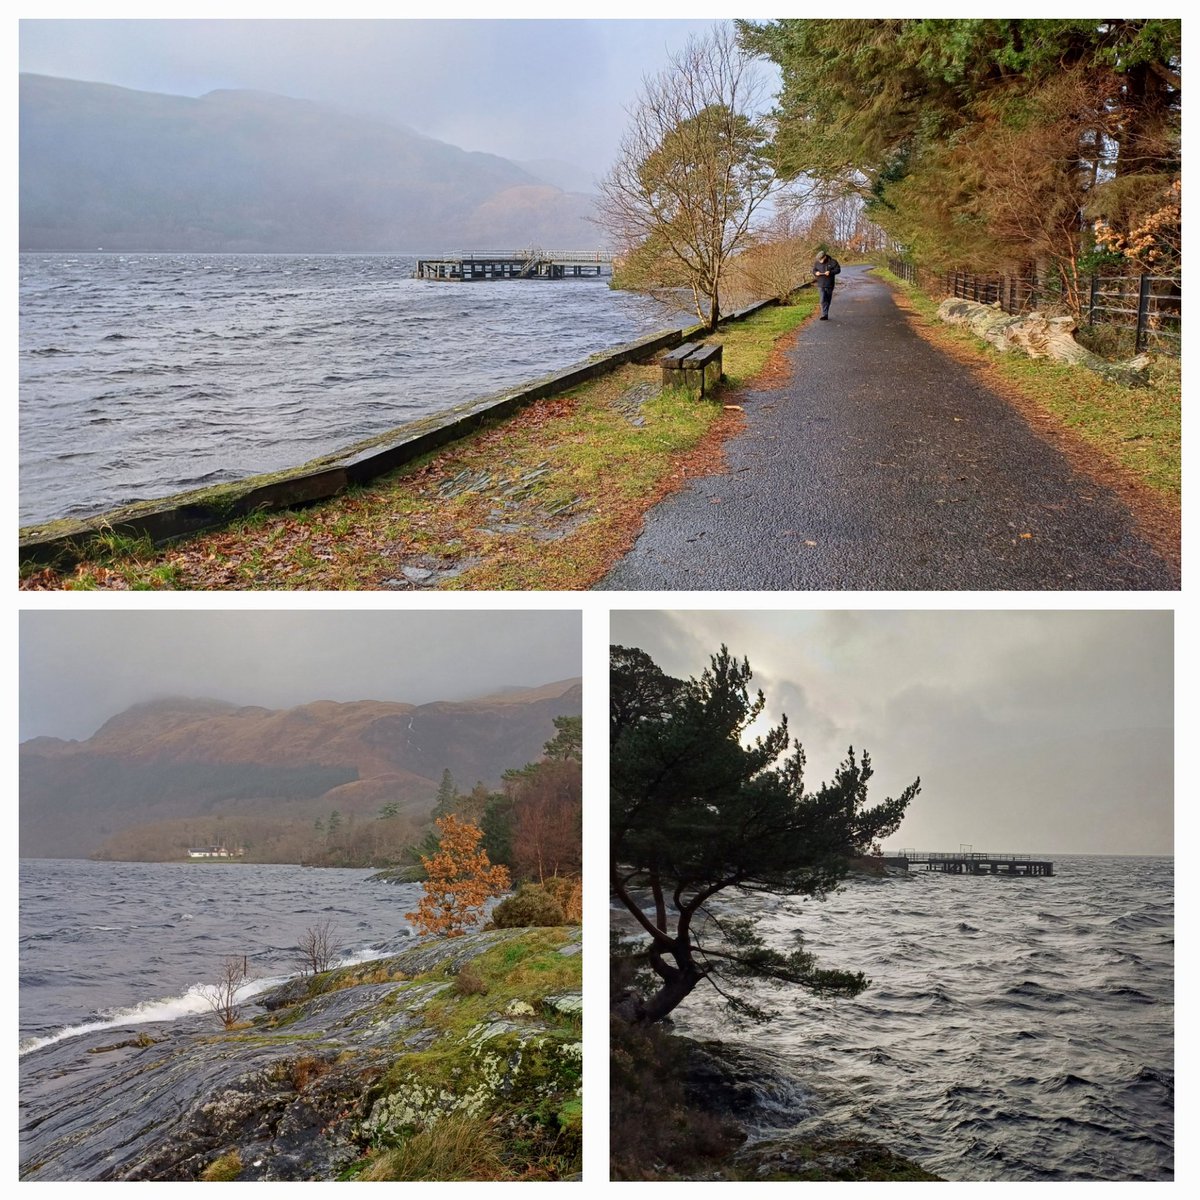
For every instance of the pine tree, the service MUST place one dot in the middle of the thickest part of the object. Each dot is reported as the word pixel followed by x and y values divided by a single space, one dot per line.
pixel 446 799
pixel 699 811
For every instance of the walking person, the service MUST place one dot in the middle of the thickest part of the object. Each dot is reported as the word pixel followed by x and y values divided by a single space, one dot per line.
pixel 824 269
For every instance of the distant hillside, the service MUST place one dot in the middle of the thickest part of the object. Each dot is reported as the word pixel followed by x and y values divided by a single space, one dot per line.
pixel 108 167
pixel 171 762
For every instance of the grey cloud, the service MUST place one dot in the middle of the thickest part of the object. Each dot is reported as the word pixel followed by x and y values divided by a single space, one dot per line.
pixel 523 89
pixel 79 668
pixel 1037 730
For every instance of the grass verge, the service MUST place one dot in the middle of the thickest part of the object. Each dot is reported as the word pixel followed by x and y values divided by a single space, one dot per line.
pixel 545 500
pixel 1135 431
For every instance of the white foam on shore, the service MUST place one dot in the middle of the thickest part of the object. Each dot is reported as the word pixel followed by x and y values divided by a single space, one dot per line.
pixel 172 1008
pixel 191 1003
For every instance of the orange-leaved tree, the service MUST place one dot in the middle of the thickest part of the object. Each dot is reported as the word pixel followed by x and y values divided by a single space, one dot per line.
pixel 460 880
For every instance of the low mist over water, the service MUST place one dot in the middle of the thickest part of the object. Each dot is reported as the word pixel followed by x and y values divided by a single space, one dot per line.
pixel 1014 1029
pixel 148 374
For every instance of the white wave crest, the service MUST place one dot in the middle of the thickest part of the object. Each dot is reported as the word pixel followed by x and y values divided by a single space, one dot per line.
pixel 194 1001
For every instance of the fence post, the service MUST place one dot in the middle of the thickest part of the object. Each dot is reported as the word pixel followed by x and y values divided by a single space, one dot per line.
pixel 1143 315
pixel 1092 299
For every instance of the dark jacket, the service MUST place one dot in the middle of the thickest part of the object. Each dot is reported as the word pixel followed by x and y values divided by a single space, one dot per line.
pixel 824 272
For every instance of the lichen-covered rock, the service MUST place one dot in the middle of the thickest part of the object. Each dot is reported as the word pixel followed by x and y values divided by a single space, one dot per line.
pixel 569 1004
pixel 499 1064
pixel 340 1065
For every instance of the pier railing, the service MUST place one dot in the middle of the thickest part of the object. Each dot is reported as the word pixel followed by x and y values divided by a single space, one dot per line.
pixel 530 263
pixel 563 256
pixel 922 855
pixel 972 862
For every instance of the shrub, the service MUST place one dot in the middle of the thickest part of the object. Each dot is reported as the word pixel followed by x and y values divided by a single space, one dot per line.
pixel 532 905
pixel 305 1070
pixel 222 996
pixel 320 946
pixel 569 893
pixel 655 1132
pixel 468 981
pixel 461 881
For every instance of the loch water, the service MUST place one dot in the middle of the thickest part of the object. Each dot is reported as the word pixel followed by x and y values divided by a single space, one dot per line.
pixel 1015 1028
pixel 121 946
pixel 142 375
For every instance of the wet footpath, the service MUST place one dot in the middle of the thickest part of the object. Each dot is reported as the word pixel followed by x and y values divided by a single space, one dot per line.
pixel 883 464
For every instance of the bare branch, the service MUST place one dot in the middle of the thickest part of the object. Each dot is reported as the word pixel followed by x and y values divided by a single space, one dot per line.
pixel 692 170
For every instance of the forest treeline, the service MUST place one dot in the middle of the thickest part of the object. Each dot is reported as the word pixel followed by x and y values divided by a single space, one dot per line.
pixel 531 824
pixel 986 144
pixel 989 142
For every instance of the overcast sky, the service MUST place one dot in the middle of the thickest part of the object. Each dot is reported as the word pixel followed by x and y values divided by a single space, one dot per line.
pixel 80 668
pixel 1031 731
pixel 524 89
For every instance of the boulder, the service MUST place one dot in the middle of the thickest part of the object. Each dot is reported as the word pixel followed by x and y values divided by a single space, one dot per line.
pixel 1038 335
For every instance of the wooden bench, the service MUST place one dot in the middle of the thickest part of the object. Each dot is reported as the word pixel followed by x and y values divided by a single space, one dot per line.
pixel 693 366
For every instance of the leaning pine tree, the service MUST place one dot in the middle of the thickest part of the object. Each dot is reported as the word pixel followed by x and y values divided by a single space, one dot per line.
pixel 460 880
pixel 697 812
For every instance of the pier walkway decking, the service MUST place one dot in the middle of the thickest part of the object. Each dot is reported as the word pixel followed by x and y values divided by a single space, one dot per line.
pixel 519 264
pixel 970 862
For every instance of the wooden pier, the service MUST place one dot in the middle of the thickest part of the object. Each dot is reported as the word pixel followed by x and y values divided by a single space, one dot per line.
pixel 969 862
pixel 521 264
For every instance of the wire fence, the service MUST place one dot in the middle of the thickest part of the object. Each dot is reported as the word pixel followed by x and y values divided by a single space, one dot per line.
pixel 1149 307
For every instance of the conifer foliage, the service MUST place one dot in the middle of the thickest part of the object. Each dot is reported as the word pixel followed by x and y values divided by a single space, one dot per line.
pixel 701 814
pixel 461 880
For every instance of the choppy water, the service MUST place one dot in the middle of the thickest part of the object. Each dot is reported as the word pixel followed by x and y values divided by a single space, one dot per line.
pixel 1015 1029
pixel 146 374
pixel 121 944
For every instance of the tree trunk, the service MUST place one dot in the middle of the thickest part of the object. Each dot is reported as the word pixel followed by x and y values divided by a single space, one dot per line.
pixel 678 983
pixel 714 309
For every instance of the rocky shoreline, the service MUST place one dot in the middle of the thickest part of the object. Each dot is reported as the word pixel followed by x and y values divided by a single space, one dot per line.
pixel 339 1074
pixel 710 1111
pixel 746 1087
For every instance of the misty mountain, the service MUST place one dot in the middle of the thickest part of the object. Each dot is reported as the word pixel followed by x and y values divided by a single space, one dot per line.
pixel 184 758
pixel 108 167
pixel 568 176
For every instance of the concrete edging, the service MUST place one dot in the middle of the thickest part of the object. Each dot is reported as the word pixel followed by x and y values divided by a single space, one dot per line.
pixel 66 541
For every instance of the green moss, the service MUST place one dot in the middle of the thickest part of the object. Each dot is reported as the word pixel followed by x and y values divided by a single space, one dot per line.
pixel 497 1058
pixel 498 1072
pixel 570 1116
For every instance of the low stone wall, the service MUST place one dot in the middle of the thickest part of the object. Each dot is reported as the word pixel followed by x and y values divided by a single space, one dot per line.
pixel 62 542
pixel 1038 335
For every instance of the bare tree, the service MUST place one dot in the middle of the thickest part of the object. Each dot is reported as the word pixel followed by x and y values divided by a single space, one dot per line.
pixel 547 820
pixel 692 168
pixel 776 264
pixel 320 946
pixel 221 996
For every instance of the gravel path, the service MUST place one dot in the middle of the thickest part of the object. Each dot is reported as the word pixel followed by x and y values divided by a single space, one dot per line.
pixel 884 464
